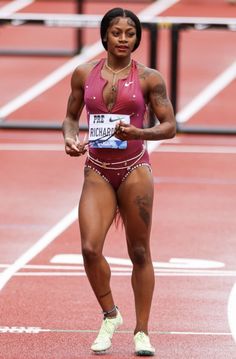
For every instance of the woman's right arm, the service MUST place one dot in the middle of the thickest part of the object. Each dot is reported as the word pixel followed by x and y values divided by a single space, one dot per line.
pixel 70 126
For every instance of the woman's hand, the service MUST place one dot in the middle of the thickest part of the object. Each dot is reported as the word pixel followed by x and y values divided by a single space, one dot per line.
pixel 74 147
pixel 125 131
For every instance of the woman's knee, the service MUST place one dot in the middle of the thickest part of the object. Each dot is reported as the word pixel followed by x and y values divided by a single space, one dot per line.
pixel 139 255
pixel 90 253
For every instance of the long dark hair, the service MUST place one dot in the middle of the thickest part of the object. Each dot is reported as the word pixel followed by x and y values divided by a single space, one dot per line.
pixel 119 12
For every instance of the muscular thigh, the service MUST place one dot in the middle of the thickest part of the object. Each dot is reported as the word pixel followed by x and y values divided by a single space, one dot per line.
pixel 135 198
pixel 97 208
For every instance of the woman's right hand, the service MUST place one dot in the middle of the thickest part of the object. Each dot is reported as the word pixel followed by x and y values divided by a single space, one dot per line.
pixel 74 147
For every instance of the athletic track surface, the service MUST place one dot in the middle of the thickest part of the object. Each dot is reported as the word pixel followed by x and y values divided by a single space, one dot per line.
pixel 47 309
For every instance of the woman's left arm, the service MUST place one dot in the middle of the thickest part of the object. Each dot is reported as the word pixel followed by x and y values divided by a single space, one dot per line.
pixel 161 106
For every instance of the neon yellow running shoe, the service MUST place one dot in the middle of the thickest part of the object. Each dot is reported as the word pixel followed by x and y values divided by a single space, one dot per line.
pixel 108 328
pixel 142 345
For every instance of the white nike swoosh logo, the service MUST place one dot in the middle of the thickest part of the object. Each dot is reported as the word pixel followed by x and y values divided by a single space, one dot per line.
pixel 115 119
pixel 128 83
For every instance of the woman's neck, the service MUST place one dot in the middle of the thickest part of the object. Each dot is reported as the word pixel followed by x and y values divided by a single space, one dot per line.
pixel 117 70
pixel 117 65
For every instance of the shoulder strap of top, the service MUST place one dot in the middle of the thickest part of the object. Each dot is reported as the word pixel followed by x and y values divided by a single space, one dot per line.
pixel 95 70
pixel 99 65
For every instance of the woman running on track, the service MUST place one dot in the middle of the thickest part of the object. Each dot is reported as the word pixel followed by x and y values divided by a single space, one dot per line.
pixel 116 91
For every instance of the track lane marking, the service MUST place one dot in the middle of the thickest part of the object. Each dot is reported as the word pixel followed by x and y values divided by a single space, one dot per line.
pixel 52 79
pixel 231 311
pixel 15 6
pixel 180 263
pixel 8 273
pixel 158 273
pixel 205 96
pixel 37 330
pixel 41 244
pixel 164 148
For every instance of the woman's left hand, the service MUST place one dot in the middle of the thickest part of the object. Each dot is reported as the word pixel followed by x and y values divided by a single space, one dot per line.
pixel 125 131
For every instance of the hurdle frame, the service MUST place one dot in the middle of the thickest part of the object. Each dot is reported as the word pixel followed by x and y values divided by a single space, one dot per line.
pixel 174 24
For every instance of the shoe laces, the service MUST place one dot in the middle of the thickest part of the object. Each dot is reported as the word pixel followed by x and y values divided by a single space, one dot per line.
pixel 142 337
pixel 107 327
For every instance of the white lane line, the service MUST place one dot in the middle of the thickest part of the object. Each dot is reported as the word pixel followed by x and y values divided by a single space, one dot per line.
pixel 50 80
pixel 31 147
pixel 156 8
pixel 15 6
pixel 46 266
pixel 194 180
pixel 202 99
pixel 128 273
pixel 51 267
pixel 36 330
pixel 232 311
pixel 180 263
pixel 205 96
pixel 196 149
pixel 164 148
pixel 41 244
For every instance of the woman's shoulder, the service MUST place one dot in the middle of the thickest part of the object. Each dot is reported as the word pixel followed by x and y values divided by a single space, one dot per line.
pixel 86 67
pixel 149 77
pixel 148 73
pixel 81 72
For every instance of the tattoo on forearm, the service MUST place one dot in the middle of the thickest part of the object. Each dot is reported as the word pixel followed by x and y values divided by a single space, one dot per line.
pixel 160 95
pixel 144 205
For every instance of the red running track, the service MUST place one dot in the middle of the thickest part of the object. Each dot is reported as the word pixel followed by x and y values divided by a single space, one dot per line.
pixel 47 305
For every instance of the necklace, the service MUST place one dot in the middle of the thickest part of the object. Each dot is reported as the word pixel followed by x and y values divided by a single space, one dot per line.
pixel 115 73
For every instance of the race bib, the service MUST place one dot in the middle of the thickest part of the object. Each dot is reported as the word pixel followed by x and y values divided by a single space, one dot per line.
pixel 102 128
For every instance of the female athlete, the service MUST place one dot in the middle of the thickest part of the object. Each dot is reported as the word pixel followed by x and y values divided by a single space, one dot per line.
pixel 116 92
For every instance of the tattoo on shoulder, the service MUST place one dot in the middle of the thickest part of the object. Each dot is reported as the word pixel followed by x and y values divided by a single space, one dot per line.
pixel 160 95
pixel 144 72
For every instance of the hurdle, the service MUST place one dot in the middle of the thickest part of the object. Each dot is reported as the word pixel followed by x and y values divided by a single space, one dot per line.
pixel 175 25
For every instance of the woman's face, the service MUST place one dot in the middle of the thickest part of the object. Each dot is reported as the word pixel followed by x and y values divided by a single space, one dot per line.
pixel 121 36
